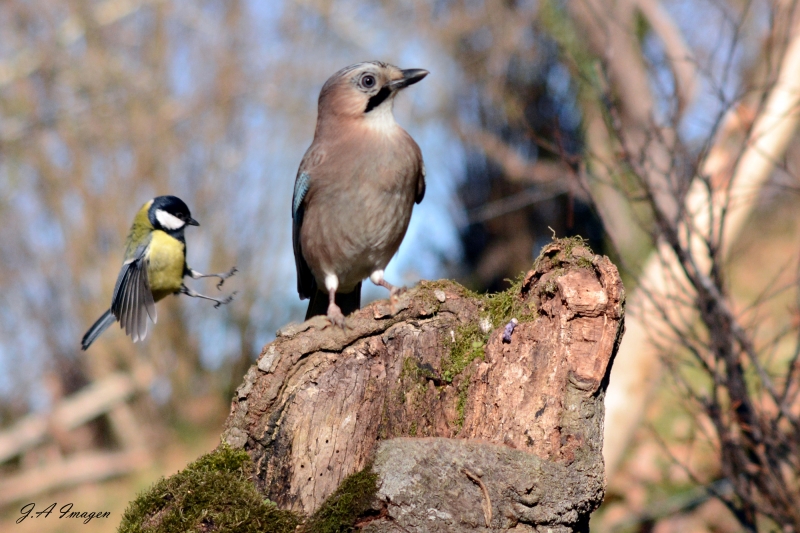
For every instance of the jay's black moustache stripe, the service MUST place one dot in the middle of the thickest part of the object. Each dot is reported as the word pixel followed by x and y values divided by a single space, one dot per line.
pixel 378 99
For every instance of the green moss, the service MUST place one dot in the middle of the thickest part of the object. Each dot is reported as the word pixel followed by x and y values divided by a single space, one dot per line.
pixel 466 345
pixel 342 508
pixel 215 494
pixel 461 404
pixel 497 309
pixel 566 248
pixel 501 307
pixel 427 292
pixel 212 494
pixel 561 253
pixel 569 244
pixel 469 340
pixel 444 285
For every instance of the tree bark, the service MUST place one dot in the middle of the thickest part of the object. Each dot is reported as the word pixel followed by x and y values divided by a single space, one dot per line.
pixel 509 439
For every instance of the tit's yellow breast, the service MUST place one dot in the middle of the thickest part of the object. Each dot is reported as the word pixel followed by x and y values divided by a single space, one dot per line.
pixel 166 259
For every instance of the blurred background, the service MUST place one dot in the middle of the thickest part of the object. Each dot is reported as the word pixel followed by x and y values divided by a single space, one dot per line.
pixel 662 131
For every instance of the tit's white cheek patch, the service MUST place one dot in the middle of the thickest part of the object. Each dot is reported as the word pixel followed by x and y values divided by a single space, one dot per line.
pixel 169 221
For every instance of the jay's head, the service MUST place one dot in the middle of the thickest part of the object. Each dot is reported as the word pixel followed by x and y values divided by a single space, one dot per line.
pixel 366 90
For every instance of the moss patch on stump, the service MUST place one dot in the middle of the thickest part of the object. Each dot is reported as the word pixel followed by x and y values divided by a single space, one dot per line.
pixel 216 495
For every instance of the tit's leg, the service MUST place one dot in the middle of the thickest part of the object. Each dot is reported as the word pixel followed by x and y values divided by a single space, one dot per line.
pixel 335 314
pixel 377 278
pixel 189 292
pixel 222 276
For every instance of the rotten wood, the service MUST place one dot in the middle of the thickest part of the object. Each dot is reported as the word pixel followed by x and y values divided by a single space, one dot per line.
pixel 525 419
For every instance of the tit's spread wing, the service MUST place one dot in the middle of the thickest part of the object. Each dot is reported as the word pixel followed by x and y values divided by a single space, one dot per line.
pixel 133 301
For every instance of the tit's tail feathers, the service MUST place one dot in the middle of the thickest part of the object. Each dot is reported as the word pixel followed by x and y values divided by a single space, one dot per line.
pixel 97 328
pixel 347 302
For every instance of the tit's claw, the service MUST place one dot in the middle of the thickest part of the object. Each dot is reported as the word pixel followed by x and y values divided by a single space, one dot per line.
pixel 226 301
pixel 194 294
pixel 226 275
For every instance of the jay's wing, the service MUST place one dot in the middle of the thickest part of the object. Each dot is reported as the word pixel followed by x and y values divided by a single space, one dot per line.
pixel 420 182
pixel 133 301
pixel 306 284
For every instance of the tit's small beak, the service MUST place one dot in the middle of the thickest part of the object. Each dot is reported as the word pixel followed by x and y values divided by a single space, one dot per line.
pixel 410 77
pixel 192 222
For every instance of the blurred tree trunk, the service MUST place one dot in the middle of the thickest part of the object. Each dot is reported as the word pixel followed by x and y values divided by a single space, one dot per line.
pixel 464 430
pixel 712 203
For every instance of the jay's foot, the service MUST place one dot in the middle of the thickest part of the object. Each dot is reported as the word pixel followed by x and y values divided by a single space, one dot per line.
pixel 335 315
pixel 377 278
pixel 394 296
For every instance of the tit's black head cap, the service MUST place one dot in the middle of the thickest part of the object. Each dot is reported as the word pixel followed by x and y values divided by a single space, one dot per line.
pixel 172 205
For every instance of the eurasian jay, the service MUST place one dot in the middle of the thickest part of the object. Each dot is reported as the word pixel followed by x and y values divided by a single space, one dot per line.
pixel 355 189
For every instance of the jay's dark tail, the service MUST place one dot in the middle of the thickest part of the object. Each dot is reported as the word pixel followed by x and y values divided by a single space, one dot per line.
pixel 318 304
pixel 97 328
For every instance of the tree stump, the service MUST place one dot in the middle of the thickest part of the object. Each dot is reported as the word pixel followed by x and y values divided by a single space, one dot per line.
pixel 465 431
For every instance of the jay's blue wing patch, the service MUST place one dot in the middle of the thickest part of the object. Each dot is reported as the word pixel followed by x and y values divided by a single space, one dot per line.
pixel 306 284
pixel 300 190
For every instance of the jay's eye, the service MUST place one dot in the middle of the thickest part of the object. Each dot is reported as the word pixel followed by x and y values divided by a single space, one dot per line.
pixel 368 81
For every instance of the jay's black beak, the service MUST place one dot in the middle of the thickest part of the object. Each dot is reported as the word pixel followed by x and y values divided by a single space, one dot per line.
pixel 410 77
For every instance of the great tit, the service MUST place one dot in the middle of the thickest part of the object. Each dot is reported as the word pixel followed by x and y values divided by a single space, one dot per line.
pixel 154 267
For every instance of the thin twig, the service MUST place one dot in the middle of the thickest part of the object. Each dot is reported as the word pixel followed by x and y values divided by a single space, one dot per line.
pixel 487 502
